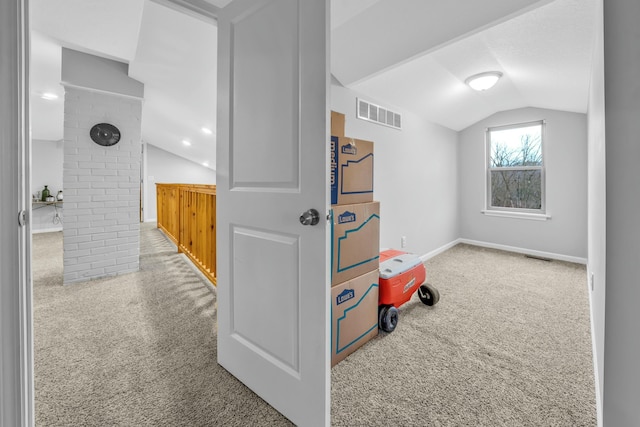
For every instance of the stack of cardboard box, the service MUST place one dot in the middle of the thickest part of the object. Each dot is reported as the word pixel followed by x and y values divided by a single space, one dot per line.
pixel 355 234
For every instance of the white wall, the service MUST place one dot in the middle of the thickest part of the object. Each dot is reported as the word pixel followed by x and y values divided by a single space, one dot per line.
pixel 565 151
pixel 621 395
pixel 596 210
pixel 86 70
pixel 46 169
pixel 165 168
pixel 415 176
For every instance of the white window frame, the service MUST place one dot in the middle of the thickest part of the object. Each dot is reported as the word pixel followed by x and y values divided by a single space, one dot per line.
pixel 516 212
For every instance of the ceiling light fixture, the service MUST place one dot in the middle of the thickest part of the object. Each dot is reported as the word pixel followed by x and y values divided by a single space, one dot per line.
pixel 484 81
pixel 205 164
pixel 185 142
pixel 49 96
pixel 207 131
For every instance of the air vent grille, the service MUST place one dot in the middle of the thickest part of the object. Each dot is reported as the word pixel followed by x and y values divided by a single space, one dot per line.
pixel 377 114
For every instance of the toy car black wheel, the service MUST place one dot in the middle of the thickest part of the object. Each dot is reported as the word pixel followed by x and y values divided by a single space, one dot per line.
pixel 428 294
pixel 388 318
pixel 382 311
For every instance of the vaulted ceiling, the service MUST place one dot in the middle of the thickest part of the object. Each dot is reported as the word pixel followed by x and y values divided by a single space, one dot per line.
pixel 409 54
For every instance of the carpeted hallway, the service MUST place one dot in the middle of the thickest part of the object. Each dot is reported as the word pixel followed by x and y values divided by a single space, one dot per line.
pixel 508 345
pixel 133 350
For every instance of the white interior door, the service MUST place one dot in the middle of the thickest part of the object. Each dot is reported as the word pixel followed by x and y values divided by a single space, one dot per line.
pixel 273 272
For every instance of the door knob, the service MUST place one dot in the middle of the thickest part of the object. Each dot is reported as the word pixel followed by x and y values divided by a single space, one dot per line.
pixel 310 217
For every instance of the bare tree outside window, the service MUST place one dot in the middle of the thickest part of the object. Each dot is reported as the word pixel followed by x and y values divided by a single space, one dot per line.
pixel 515 167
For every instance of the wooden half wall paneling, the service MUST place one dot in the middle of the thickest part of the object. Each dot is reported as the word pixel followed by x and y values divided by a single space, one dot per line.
pixel 167 210
pixel 187 215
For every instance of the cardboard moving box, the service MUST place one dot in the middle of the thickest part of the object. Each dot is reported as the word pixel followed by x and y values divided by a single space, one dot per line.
pixel 351 170
pixel 337 124
pixel 355 240
pixel 354 314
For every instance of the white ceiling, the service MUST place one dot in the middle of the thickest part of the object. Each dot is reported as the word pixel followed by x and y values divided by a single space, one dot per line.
pixel 409 54
pixel 544 55
pixel 176 60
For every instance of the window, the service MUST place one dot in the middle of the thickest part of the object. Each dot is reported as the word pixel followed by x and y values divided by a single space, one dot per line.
pixel 515 168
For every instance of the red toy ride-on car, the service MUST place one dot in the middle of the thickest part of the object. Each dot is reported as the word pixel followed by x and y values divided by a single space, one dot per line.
pixel 401 274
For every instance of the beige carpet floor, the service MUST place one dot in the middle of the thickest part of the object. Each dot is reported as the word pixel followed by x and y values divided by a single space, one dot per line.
pixel 134 350
pixel 508 345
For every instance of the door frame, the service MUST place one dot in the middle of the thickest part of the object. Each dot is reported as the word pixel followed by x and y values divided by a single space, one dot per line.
pixel 16 327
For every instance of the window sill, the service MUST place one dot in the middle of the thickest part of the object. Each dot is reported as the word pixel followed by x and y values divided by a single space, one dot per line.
pixel 518 215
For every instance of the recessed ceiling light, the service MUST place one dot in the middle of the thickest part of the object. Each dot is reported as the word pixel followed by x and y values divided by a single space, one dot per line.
pixel 49 96
pixel 207 131
pixel 206 164
pixel 185 142
pixel 484 81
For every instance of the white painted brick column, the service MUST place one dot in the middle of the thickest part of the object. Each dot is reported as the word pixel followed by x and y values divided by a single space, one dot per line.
pixel 101 186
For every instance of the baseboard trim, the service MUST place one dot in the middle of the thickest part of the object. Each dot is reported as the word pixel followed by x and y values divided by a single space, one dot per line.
pixel 438 251
pixel 515 249
pixel 46 230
